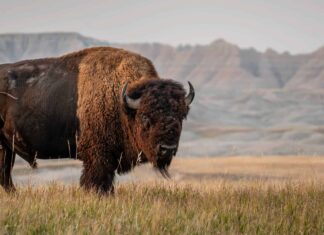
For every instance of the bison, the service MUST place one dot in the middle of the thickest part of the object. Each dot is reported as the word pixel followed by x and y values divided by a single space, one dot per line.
pixel 104 106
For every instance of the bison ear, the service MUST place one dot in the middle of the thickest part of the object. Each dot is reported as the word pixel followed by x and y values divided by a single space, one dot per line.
pixel 129 102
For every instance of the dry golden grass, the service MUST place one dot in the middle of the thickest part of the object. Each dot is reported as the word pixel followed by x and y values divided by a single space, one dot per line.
pixel 237 169
pixel 208 196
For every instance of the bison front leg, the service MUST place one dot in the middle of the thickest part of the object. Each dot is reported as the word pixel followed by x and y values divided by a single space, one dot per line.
pixel 7 160
pixel 98 176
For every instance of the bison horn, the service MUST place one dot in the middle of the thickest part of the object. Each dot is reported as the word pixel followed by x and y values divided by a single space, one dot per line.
pixel 131 103
pixel 189 98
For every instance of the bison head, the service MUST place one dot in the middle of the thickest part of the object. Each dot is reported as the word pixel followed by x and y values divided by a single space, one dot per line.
pixel 155 110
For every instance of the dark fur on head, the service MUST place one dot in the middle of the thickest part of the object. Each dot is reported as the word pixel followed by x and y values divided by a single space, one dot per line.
pixel 158 120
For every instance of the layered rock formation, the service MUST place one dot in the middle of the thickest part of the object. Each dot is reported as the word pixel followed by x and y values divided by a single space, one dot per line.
pixel 247 103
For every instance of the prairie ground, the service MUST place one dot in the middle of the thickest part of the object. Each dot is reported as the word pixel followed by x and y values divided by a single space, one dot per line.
pixel 229 195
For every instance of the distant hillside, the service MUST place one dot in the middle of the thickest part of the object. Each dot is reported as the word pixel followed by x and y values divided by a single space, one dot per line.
pixel 247 102
pixel 217 65
pixel 223 65
pixel 15 47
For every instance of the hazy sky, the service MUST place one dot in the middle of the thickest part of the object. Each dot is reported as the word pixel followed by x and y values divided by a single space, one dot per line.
pixel 294 25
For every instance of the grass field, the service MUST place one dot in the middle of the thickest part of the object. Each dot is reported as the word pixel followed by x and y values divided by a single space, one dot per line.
pixel 245 195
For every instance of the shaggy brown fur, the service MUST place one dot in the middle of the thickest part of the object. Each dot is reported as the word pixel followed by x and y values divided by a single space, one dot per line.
pixel 72 106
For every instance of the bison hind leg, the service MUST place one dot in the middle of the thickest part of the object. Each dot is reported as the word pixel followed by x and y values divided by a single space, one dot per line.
pixel 7 160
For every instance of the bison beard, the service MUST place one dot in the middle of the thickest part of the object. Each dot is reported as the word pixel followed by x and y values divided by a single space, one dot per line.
pixel 106 107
